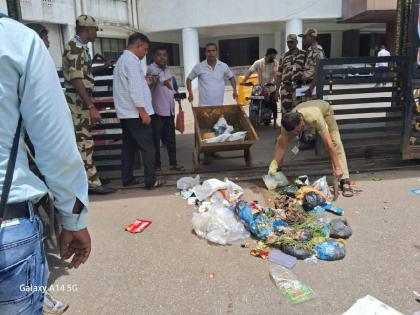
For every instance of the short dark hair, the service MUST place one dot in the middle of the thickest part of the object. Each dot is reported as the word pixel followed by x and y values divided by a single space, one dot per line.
pixel 271 51
pixel 40 29
pixel 211 44
pixel 162 48
pixel 137 37
pixel 290 120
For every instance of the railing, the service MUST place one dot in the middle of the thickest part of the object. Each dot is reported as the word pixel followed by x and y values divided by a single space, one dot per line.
pixel 368 102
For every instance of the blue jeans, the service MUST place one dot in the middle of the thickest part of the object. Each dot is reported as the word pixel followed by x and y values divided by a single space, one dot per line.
pixel 23 266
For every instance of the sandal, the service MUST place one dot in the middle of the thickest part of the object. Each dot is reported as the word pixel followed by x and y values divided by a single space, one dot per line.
pixel 347 191
pixel 158 183
pixel 177 168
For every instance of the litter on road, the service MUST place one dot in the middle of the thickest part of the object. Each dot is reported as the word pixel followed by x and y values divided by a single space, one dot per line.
pixel 371 306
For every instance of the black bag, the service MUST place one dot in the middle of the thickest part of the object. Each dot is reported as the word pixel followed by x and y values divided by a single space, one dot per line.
pixel 311 200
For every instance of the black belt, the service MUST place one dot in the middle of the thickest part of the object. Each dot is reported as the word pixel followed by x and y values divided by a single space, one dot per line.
pixel 15 210
pixel 71 90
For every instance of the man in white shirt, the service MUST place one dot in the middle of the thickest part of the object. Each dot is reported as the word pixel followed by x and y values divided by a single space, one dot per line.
pixel 381 67
pixel 133 103
pixel 211 84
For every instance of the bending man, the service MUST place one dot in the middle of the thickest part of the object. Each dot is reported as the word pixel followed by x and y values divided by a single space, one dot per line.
pixel 320 116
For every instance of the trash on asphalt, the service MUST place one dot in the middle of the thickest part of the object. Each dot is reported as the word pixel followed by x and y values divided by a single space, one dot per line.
pixel 371 306
pixel 339 228
pixel 274 181
pixel 416 191
pixel 281 258
pixel 185 183
pixel 292 289
pixel 330 250
pixel 138 226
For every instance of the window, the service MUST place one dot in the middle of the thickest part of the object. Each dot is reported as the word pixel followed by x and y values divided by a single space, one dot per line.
pixel 173 53
pixel 109 48
pixel 239 52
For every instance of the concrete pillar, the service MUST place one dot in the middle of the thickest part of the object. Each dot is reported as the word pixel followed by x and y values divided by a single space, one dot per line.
pixel 191 51
pixel 3 6
pixel 278 43
pixel 294 26
pixel 130 13
pixel 135 14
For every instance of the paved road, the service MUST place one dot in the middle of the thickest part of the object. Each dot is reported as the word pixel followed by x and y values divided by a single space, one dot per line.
pixel 165 270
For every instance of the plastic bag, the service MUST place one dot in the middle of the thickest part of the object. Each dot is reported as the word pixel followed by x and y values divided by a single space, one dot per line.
pixel 220 138
pixel 339 228
pixel 311 200
pixel 180 121
pixel 291 288
pixel 185 183
pixel 221 125
pixel 330 250
pixel 291 190
pixel 322 186
pixel 299 253
pixel 208 188
pixel 218 225
pixel 276 180
pixel 237 136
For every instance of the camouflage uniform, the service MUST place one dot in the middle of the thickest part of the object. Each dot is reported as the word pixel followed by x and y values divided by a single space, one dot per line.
pixel 313 56
pixel 77 65
pixel 291 70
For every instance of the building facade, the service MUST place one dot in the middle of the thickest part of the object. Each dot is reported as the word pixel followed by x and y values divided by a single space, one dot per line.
pixel 243 29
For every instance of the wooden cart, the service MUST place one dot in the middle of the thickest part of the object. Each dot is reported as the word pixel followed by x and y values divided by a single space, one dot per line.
pixel 207 116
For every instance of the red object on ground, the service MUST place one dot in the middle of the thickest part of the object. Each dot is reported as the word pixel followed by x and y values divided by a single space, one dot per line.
pixel 138 226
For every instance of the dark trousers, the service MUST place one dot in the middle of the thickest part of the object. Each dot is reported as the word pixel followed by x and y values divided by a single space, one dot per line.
pixel 273 104
pixel 164 129
pixel 136 135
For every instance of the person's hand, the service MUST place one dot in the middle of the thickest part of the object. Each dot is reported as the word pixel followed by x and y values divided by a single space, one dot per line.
pixel 168 84
pixel 109 63
pixel 308 92
pixel 235 95
pixel 190 98
pixel 75 245
pixel 338 172
pixel 273 169
pixel 145 118
pixel 150 80
pixel 94 114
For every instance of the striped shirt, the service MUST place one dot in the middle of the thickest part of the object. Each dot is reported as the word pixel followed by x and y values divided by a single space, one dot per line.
pixel 130 87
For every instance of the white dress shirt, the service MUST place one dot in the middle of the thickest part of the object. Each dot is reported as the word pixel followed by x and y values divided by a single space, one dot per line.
pixel 211 83
pixel 130 87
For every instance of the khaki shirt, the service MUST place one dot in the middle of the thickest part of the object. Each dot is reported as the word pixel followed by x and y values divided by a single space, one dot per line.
pixel 314 113
pixel 313 57
pixel 76 64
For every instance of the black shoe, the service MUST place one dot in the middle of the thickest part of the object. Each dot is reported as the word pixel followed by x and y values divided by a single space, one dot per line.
pixel 105 181
pixel 309 145
pixel 101 190
pixel 133 182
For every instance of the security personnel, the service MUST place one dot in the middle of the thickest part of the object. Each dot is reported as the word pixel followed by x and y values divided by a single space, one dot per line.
pixel 314 54
pixel 79 82
pixel 291 71
pixel 319 115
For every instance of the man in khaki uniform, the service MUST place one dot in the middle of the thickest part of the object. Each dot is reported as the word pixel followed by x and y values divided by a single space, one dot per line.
pixel 320 116
pixel 79 82
pixel 291 74
pixel 314 55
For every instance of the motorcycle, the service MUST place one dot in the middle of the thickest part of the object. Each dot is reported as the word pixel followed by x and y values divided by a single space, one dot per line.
pixel 260 111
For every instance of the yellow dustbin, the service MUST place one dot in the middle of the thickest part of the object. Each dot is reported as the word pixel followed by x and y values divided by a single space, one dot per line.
pixel 245 91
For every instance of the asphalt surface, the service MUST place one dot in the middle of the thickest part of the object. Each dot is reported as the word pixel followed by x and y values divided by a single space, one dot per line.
pixel 167 269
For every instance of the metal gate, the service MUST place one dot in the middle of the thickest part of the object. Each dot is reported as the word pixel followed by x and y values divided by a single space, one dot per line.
pixel 368 102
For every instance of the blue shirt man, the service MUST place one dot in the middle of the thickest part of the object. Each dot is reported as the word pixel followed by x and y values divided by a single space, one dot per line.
pixel 29 86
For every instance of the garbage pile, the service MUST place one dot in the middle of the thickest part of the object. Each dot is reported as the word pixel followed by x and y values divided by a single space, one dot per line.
pixel 222 132
pixel 296 223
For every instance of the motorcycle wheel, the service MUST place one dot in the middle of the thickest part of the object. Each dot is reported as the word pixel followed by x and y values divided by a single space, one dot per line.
pixel 253 117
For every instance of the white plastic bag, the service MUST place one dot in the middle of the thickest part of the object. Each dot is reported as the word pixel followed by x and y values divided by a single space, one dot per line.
pixel 237 136
pixel 208 188
pixel 221 138
pixel 322 186
pixel 186 183
pixel 276 180
pixel 219 225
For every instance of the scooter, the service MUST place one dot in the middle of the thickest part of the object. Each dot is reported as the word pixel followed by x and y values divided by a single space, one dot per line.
pixel 260 111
